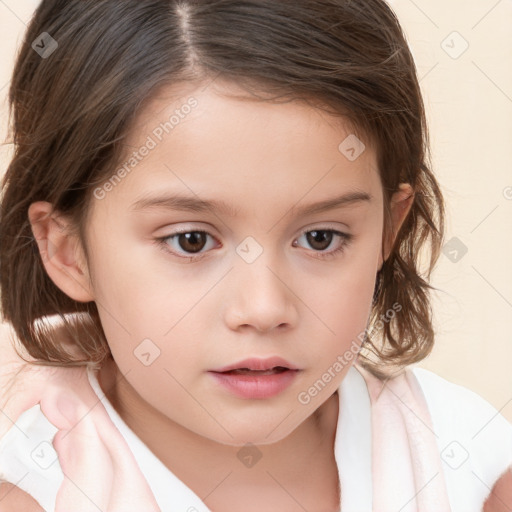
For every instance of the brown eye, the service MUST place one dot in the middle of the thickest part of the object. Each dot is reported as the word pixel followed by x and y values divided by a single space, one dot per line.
pixel 192 242
pixel 319 240
pixel 185 243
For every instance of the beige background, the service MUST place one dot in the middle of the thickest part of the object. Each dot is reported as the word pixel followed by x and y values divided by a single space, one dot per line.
pixel 469 102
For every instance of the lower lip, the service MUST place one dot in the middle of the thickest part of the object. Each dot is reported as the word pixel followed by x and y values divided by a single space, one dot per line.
pixel 256 386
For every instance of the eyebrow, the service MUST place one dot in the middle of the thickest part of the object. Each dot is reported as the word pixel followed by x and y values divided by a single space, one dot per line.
pixel 193 204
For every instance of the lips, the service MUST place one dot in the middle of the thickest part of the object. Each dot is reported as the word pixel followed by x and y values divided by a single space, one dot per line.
pixel 256 379
pixel 255 366
pixel 247 371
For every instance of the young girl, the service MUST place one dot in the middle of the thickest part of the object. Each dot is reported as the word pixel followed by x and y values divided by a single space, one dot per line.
pixel 211 232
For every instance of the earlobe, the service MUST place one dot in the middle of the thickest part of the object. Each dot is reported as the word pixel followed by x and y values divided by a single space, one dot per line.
pixel 60 251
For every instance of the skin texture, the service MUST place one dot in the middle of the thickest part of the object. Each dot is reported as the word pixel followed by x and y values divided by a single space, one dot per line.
pixel 13 498
pixel 264 160
pixel 500 499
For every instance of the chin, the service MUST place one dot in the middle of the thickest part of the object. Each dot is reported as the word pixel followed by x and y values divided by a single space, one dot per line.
pixel 249 437
pixel 255 430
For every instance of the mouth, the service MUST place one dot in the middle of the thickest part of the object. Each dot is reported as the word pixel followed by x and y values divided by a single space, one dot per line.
pixel 247 371
pixel 256 378
pixel 257 366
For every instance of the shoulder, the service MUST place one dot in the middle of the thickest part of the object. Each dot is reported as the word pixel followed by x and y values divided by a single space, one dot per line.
pixel 459 405
pixel 13 498
pixel 474 438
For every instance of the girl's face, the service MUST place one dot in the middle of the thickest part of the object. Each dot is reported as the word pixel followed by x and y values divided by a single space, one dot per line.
pixel 272 276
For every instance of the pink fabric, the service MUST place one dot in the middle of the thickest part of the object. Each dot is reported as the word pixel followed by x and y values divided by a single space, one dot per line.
pixel 100 470
pixel 406 464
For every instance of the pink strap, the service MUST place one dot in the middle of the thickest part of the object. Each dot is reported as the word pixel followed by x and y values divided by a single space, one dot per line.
pixel 406 465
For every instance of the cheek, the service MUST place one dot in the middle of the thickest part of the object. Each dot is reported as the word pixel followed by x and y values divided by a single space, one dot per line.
pixel 133 284
pixel 344 315
pixel 153 321
pixel 342 304
pixel 346 293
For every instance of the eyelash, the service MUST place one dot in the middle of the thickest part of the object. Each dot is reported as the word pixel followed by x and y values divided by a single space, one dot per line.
pixel 346 241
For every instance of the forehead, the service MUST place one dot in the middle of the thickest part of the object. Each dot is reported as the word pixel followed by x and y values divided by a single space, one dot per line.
pixel 234 103
pixel 214 141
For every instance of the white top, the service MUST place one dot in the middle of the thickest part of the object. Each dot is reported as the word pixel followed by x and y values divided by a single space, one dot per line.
pixel 474 440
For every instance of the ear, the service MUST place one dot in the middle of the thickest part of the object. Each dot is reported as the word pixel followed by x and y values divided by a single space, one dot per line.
pixel 401 203
pixel 60 251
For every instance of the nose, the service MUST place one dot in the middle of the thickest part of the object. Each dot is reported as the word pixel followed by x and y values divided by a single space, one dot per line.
pixel 260 297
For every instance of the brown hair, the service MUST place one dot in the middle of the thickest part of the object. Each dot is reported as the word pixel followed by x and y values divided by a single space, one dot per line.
pixel 71 111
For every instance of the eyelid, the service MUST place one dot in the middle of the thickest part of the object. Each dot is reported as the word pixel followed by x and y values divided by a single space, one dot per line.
pixel 162 244
pixel 193 229
pixel 323 227
pixel 346 240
